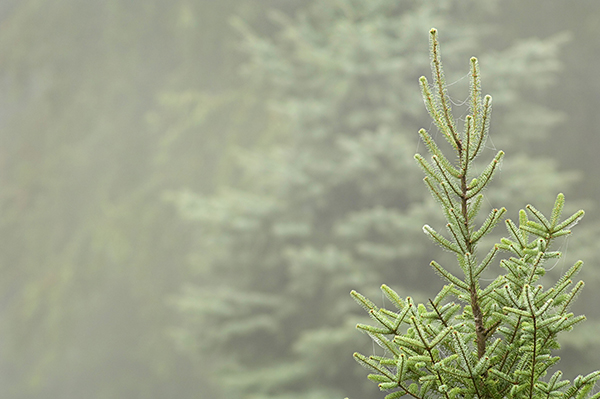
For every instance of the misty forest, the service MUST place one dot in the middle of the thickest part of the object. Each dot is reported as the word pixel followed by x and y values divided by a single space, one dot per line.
pixel 190 189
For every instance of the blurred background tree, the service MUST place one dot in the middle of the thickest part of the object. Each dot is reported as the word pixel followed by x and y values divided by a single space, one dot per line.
pixel 300 168
pixel 90 251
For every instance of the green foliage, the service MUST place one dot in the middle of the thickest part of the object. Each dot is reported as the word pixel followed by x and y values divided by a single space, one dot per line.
pixel 320 211
pixel 495 341
pixel 106 105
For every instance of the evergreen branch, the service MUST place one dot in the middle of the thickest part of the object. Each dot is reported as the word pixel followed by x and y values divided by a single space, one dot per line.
pixel 449 310
pixel 504 376
pixel 475 105
pixel 465 155
pixel 511 295
pixel 552 255
pixel 435 151
pixel 529 300
pixel 395 395
pixel 511 342
pixel 535 269
pixel 571 297
pixel 385 386
pixel 389 313
pixel 485 126
pixel 544 307
pixel 415 343
pixel 536 292
pixel 436 194
pixel 498 281
pixel 444 198
pixel 490 330
pixel 382 319
pixel 570 221
pixel 401 362
pixel 539 216
pixel 522 222
pixel 481 367
pixel 393 296
pixel 486 176
pixel 408 391
pixel 475 207
pixel 458 237
pixel 552 292
pixel 549 320
pixel 437 237
pixel 582 385
pixel 445 291
pixel 462 351
pixel 401 317
pixel 517 311
pixel 449 276
pixel 420 333
pixel 456 372
pixel 444 362
pixel 449 197
pixel 439 81
pixel 557 210
pixel 486 261
pixel 430 345
pixel 363 301
pixel 411 351
pixel 517 250
pixel 370 329
pixel 488 225
pixel 466 264
pixel 561 233
pixel 515 233
pixel 534 225
pixel 566 278
pixel 509 264
pixel 428 169
pixel 370 364
pixel 447 178
pixel 432 108
pixel 384 343
pixel 534 340
pixel 570 322
pixel 458 220
pixel 435 341
pixel 555 384
pixel 540 233
pixel 475 90
pixel 498 299
pixel 514 280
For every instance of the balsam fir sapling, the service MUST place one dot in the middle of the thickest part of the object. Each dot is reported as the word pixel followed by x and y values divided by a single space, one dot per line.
pixel 473 340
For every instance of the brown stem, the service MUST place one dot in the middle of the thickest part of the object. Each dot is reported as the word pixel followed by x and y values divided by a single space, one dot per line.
pixel 477 314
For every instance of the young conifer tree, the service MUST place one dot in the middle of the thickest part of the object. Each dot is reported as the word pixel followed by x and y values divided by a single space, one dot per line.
pixel 474 340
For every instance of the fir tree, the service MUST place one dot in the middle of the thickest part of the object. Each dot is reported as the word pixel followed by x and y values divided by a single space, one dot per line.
pixel 474 341
pixel 320 211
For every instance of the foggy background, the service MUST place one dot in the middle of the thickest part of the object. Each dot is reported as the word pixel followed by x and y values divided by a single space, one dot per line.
pixel 190 189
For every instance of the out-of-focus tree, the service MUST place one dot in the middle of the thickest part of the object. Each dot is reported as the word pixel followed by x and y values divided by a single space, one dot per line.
pixel 576 91
pixel 334 205
pixel 89 142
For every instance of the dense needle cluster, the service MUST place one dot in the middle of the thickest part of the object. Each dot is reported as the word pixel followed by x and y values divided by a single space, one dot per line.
pixel 472 341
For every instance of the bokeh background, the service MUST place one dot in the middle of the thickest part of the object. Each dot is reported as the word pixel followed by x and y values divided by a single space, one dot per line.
pixel 190 189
